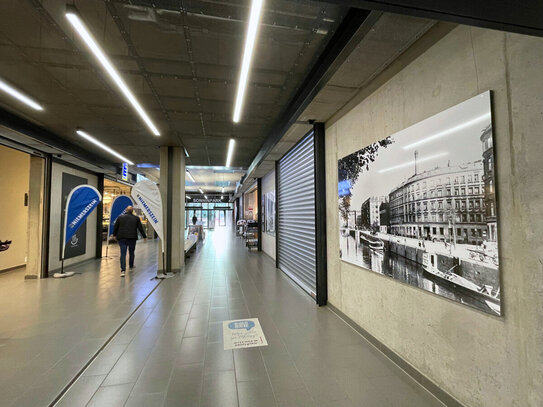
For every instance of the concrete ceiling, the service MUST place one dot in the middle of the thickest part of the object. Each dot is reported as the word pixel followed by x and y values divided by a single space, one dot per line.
pixel 181 59
pixel 387 40
pixel 213 179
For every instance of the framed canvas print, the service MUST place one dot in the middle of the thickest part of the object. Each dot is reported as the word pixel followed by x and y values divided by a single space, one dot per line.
pixel 420 206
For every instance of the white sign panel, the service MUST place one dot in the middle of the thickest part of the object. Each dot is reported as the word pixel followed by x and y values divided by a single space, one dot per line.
pixel 147 196
pixel 243 333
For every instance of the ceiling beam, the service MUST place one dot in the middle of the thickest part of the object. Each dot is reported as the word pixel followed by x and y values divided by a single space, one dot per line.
pixel 354 26
pixel 50 139
pixel 523 17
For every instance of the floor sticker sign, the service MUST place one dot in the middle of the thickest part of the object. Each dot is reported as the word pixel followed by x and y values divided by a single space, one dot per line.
pixel 243 333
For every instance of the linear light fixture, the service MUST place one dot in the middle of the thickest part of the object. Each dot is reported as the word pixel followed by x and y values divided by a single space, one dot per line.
pixel 10 90
pixel 73 17
pixel 202 192
pixel 88 137
pixel 191 177
pixel 222 191
pixel 205 196
pixel 420 160
pixel 451 130
pixel 252 30
pixel 231 144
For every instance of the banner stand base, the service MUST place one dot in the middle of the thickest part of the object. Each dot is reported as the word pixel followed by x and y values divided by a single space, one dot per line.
pixel 163 276
pixel 63 275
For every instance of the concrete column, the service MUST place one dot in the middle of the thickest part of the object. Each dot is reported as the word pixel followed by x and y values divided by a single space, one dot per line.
pixel 172 189
pixel 35 218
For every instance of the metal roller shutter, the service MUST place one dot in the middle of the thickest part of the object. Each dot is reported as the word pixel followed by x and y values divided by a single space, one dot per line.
pixel 296 214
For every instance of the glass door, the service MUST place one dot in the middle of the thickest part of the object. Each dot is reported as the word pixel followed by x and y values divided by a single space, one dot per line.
pixel 222 218
pixel 211 215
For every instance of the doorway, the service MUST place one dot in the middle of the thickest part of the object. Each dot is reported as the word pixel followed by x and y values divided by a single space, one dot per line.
pixel 21 212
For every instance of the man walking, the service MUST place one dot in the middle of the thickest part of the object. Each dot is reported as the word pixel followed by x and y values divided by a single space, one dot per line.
pixel 125 231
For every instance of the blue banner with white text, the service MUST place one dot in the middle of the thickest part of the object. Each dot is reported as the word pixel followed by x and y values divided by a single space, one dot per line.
pixel 118 208
pixel 81 202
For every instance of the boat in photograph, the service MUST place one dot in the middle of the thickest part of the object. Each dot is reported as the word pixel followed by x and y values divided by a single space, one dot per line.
pixel 430 267
pixel 373 242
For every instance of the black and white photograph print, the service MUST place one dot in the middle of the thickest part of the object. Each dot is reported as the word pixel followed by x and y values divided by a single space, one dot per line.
pixel 270 213
pixel 420 206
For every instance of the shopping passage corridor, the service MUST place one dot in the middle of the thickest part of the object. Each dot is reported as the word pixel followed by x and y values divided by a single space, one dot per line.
pixel 170 353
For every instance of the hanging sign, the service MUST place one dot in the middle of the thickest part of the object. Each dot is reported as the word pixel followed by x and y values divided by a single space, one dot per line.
pixel 125 172
pixel 82 200
pixel 147 196
pixel 118 208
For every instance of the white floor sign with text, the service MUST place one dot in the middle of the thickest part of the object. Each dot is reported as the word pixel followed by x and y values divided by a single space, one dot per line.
pixel 243 333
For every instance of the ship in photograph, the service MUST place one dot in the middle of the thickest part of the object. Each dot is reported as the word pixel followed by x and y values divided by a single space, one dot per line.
pixel 419 206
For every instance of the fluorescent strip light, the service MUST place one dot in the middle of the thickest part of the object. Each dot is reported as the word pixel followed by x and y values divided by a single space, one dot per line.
pixel 222 197
pixel 250 40
pixel 231 144
pixel 222 191
pixel 19 96
pixel 77 23
pixel 205 196
pixel 191 177
pixel 202 192
pixel 103 146
pixel 189 197
pixel 420 160
pixel 451 130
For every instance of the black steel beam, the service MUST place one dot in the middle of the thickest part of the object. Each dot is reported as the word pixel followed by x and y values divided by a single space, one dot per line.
pixel 524 17
pixel 50 139
pixel 320 214
pixel 352 29
pixel 100 218
pixel 259 216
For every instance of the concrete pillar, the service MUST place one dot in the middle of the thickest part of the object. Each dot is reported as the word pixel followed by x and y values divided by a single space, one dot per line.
pixel 172 189
pixel 35 218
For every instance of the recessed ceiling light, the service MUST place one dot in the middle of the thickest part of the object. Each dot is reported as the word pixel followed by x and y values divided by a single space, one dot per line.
pixel 231 144
pixel 103 146
pixel 73 17
pixel 10 90
pixel 252 29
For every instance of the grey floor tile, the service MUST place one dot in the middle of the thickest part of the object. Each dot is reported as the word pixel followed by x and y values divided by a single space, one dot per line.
pixel 145 400
pixel 192 351
pixel 249 364
pixel 219 390
pixel 105 361
pixel 110 396
pixel 196 327
pixel 256 393
pixel 81 392
pixel 185 387
pixel 217 359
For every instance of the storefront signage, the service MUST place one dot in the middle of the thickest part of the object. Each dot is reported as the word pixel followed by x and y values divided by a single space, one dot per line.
pixel 125 172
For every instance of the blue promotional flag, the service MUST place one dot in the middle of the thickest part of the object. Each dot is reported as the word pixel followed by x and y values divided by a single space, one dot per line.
pixel 80 203
pixel 118 208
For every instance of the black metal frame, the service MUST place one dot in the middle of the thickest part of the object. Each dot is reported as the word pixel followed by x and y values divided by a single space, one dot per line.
pixel 276 214
pixel 523 17
pixel 259 209
pixel 47 178
pixel 320 214
pixel 100 217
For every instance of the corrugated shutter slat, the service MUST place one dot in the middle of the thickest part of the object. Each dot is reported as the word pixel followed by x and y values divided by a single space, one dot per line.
pixel 296 214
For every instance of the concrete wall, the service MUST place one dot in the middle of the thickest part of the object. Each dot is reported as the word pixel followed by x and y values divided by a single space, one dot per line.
pixel 480 359
pixel 14 173
pixel 268 241
pixel 56 216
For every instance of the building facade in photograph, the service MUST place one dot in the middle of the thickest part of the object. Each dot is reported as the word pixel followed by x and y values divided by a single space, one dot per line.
pixel 488 180
pixel 370 212
pixel 443 204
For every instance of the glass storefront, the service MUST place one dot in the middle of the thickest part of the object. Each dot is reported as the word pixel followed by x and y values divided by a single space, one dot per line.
pixel 210 215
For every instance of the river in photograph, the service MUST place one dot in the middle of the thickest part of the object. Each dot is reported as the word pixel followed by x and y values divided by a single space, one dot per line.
pixel 402 269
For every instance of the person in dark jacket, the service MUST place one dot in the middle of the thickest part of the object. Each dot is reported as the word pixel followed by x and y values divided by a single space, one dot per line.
pixel 125 231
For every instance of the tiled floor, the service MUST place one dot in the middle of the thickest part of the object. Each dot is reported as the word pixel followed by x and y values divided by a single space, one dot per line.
pixel 170 353
pixel 49 329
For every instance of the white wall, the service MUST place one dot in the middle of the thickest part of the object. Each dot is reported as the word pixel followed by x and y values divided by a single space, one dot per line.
pixel 14 173
pixel 480 359
pixel 56 213
pixel 268 241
